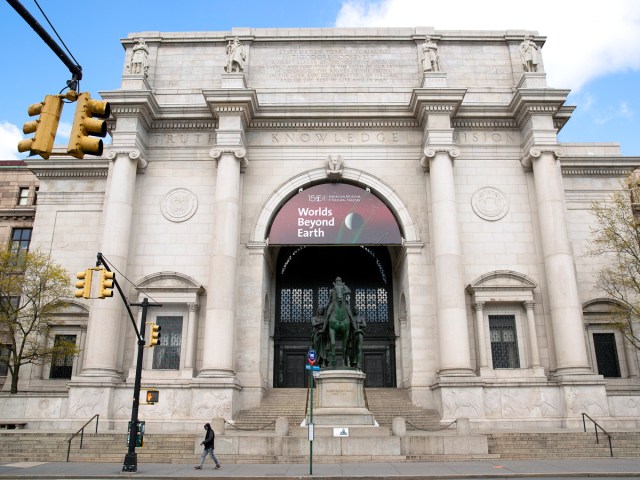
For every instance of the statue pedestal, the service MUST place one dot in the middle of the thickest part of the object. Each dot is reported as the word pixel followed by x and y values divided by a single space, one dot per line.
pixel 533 80
pixel 341 401
pixel 233 80
pixel 434 80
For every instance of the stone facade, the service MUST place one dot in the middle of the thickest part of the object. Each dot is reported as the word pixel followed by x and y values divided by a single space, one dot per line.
pixel 493 210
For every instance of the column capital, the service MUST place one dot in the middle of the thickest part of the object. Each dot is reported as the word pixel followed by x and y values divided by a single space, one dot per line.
pixel 133 153
pixel 528 304
pixel 193 307
pixel 239 152
pixel 478 306
pixel 430 151
pixel 537 151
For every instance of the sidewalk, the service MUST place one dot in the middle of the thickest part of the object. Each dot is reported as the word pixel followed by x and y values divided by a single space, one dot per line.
pixel 555 468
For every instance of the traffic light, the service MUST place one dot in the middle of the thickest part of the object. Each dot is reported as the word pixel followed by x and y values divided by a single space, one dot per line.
pixel 106 284
pixel 87 122
pixel 153 396
pixel 84 283
pixel 154 336
pixel 44 128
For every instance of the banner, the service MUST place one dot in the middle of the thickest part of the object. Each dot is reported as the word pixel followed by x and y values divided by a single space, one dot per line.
pixel 334 214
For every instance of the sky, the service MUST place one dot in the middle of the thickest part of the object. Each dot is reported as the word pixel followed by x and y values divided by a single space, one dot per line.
pixel 592 48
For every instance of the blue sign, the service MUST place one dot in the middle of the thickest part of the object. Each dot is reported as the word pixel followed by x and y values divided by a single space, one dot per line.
pixel 315 368
pixel 311 356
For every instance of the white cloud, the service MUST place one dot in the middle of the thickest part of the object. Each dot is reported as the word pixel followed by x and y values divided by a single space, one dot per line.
pixel 10 135
pixel 64 130
pixel 585 39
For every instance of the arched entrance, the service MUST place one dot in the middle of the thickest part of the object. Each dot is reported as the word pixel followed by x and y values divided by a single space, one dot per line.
pixel 325 231
pixel 304 277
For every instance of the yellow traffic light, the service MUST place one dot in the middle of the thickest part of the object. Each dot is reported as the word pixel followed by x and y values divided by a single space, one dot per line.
pixel 84 283
pixel 154 336
pixel 44 128
pixel 106 284
pixel 86 123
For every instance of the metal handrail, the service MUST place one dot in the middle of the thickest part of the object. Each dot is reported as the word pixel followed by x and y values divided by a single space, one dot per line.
pixel 596 426
pixel 81 432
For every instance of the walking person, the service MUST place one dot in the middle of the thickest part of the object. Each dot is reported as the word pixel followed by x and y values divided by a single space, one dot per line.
pixel 208 447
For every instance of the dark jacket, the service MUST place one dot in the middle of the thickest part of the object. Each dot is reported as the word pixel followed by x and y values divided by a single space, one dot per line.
pixel 209 437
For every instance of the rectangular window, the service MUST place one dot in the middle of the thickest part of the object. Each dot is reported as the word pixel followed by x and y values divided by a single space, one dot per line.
pixel 166 356
pixel 35 195
pixel 606 354
pixel 504 342
pixel 23 196
pixel 5 355
pixel 62 365
pixel 20 240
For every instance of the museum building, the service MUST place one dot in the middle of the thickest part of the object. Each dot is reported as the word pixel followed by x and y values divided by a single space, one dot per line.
pixel 249 169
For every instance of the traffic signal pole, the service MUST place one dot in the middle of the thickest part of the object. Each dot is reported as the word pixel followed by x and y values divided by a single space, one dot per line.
pixel 131 458
pixel 74 68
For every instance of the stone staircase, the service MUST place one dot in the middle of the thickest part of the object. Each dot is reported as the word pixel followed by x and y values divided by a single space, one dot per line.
pixel 384 403
pixel 250 439
pixel 29 446
pixel 522 446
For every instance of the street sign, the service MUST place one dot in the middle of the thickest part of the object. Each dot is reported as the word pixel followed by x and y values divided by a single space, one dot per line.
pixel 315 368
pixel 311 356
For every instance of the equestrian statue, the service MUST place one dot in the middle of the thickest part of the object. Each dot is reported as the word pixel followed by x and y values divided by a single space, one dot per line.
pixel 338 321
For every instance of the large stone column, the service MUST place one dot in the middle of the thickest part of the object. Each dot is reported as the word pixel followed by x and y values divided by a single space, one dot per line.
pixel 219 328
pixel 105 329
pixel 562 284
pixel 453 334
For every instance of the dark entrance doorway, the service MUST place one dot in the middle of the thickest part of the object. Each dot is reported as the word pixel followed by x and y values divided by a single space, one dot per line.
pixel 303 280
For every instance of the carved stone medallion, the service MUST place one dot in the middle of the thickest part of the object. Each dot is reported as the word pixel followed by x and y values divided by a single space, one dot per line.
pixel 179 205
pixel 490 204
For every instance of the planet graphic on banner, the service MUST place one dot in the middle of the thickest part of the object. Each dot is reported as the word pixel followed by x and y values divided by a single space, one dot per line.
pixel 354 221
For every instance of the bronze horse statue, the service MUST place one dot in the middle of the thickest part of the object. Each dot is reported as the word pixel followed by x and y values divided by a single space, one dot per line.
pixel 339 324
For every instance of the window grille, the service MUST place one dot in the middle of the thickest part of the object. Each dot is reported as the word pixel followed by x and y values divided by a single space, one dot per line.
pixel 166 356
pixel 606 354
pixel 62 365
pixel 504 342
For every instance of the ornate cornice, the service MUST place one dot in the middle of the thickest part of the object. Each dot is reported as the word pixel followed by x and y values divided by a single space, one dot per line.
pixel 289 124
pixel 206 125
pixel 141 104
pixel 69 168
pixel 18 212
pixel 479 123
pixel 528 102
pixel 591 171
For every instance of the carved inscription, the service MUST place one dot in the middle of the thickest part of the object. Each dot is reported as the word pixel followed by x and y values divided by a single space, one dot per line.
pixel 337 64
pixel 181 139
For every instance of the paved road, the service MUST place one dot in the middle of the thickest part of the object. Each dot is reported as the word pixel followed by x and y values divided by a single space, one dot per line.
pixel 486 469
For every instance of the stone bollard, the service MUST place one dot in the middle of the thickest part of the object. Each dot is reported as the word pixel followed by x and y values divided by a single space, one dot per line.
pixel 398 427
pixel 282 427
pixel 463 427
pixel 218 425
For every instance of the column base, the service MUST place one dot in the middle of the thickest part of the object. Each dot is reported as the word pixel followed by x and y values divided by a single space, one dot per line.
pixel 100 374
pixel 216 373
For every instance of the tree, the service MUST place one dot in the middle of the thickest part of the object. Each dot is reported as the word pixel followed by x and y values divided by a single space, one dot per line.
pixel 32 289
pixel 616 236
